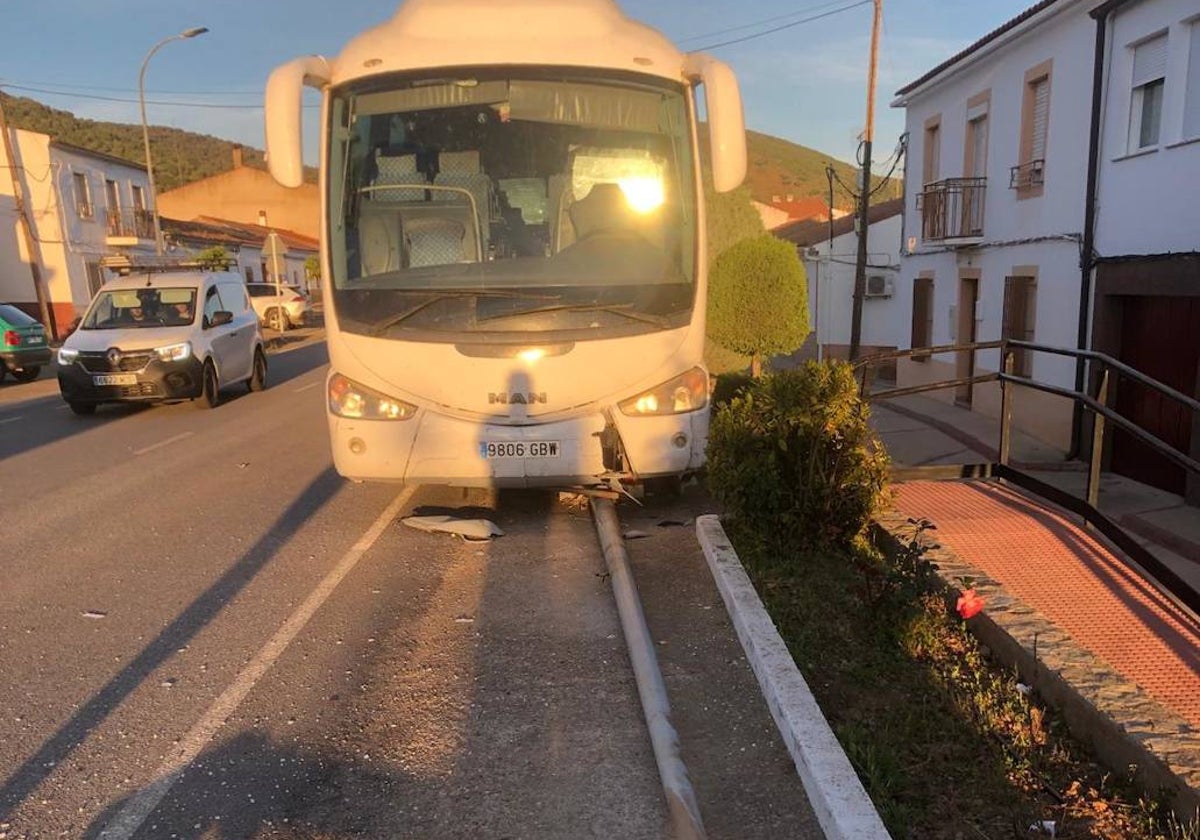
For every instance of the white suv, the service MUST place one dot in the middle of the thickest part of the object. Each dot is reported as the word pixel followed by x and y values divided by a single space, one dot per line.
pixel 279 308
pixel 162 336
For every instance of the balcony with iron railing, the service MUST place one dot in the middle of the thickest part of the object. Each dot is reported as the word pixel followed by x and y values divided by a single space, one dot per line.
pixel 952 210
pixel 129 226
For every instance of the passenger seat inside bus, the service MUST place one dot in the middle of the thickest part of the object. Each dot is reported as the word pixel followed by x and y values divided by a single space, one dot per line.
pixel 415 227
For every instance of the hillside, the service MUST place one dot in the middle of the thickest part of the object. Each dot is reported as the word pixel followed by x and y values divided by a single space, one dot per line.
pixel 180 157
pixel 775 166
pixel 779 167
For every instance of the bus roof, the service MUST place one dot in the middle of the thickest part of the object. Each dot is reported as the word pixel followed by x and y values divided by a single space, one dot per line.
pixel 429 34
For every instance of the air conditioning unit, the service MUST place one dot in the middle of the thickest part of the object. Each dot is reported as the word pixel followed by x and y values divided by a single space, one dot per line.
pixel 879 286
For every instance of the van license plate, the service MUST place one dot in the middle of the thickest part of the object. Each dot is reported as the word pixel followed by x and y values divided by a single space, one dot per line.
pixel 115 379
pixel 498 450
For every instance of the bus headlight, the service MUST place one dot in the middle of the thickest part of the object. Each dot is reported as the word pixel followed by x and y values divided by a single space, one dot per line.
pixel 688 392
pixel 358 402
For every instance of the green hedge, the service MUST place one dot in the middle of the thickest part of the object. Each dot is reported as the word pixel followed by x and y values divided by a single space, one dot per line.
pixel 793 459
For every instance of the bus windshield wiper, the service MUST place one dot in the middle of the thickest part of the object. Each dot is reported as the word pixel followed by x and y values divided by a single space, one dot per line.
pixel 623 309
pixel 437 295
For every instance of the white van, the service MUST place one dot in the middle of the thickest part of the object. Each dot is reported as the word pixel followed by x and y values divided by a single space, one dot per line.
pixel 163 336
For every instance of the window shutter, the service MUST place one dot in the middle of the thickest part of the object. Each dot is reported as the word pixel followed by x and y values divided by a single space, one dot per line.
pixel 1041 114
pixel 1191 108
pixel 1150 60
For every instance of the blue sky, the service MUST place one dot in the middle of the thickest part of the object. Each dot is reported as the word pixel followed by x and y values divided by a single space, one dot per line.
pixel 806 84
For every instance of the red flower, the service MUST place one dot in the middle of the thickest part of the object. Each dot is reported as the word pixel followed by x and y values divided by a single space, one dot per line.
pixel 969 604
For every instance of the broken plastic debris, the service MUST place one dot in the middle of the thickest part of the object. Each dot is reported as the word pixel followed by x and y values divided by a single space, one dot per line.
pixel 471 529
pixel 1024 689
pixel 1047 828
pixel 94 614
pixel 464 619
pixel 635 535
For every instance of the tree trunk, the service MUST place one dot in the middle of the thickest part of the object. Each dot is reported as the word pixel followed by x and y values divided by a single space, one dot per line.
pixel 756 366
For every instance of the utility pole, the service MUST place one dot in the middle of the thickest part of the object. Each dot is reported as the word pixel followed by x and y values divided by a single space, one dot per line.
pixel 31 246
pixel 864 201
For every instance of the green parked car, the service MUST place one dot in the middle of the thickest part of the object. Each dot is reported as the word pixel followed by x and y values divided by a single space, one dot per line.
pixel 23 348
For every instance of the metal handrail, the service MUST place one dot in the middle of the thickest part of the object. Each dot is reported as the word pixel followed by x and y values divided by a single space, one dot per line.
pixel 1099 408
pixel 1115 364
pixel 1144 563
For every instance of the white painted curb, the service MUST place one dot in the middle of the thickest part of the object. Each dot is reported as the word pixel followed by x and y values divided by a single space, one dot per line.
pixel 842 806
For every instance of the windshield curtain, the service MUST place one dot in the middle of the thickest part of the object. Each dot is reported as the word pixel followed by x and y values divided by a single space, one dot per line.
pixel 528 202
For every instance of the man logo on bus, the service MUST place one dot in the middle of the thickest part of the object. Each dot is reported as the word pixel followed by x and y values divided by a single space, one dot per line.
pixel 516 398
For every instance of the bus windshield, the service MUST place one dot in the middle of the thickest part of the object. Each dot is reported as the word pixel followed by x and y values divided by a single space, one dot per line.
pixel 508 204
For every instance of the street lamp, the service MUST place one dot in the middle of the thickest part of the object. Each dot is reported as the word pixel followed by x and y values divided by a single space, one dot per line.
pixel 187 33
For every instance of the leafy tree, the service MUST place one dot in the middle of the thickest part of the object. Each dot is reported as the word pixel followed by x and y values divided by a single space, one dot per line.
pixel 758 299
pixel 731 217
pixel 215 258
pixel 312 267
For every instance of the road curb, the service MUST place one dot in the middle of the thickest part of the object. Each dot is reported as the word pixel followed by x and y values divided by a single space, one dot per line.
pixel 838 798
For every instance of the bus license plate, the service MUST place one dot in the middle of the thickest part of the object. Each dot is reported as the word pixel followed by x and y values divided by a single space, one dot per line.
pixel 498 450
pixel 115 379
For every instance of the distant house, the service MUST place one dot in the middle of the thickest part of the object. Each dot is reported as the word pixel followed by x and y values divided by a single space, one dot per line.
pixel 83 206
pixel 246 244
pixel 830 251
pixel 787 208
pixel 247 195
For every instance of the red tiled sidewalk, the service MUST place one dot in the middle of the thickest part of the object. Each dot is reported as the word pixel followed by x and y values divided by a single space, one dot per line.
pixel 1059 569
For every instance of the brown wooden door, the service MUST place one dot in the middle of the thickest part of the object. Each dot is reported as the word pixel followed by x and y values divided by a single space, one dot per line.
pixel 1160 336
pixel 968 297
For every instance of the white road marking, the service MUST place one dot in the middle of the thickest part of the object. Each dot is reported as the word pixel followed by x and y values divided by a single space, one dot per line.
pixel 307 387
pixel 11 419
pixel 130 818
pixel 163 443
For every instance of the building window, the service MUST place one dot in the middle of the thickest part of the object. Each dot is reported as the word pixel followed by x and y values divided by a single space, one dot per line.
pixel 112 199
pixel 139 196
pixel 249 274
pixel 932 149
pixel 95 276
pixel 1020 307
pixel 1028 176
pixel 1191 93
pixel 1146 98
pixel 83 195
pixel 922 316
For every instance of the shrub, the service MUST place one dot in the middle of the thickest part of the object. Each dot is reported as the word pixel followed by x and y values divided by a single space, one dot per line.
pixel 794 461
pixel 730 385
pixel 758 299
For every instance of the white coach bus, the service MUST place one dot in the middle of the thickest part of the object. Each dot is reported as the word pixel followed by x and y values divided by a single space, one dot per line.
pixel 513 246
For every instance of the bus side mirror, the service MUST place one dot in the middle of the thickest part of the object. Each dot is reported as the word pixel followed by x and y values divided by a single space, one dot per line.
pixel 726 123
pixel 284 98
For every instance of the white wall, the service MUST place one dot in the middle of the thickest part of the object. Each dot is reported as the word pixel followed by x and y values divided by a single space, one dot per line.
pixel 1042 231
pixel 831 287
pixel 1147 202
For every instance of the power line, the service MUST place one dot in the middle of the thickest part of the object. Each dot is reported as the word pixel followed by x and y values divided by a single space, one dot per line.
pixel 161 102
pixel 782 27
pixel 71 86
pixel 758 23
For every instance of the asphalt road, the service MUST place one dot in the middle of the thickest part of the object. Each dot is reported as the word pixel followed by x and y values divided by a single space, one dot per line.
pixel 205 632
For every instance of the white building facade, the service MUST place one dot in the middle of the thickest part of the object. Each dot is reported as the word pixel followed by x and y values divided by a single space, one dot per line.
pixel 830 254
pixel 994 208
pixel 1146 302
pixel 82 206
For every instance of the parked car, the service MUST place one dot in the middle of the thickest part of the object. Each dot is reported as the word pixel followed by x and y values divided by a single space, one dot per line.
pixel 165 336
pixel 279 307
pixel 23 347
